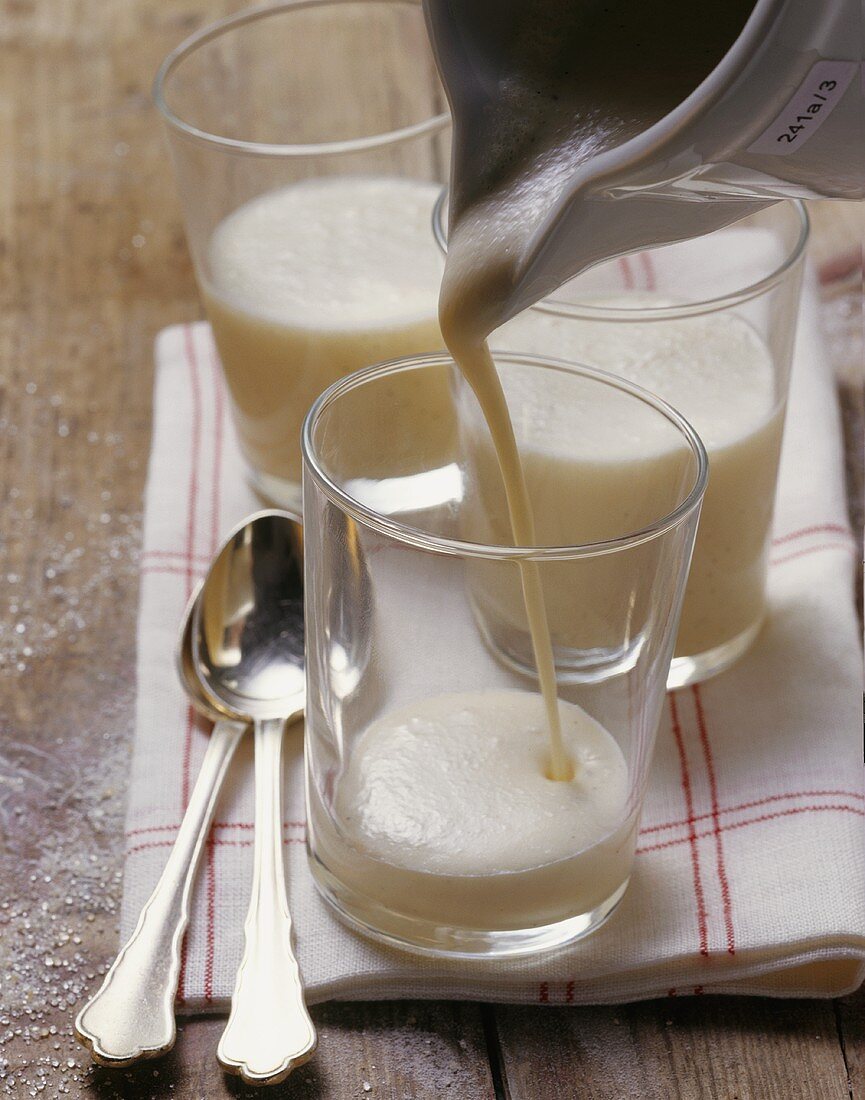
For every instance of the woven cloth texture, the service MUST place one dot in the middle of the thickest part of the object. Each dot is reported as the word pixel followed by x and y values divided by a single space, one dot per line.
pixel 750 872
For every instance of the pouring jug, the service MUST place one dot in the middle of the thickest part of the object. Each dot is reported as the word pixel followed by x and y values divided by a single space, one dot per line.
pixel 782 114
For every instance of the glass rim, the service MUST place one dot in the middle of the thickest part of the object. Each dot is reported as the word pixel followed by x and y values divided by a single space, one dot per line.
pixel 432 124
pixel 424 540
pixel 643 314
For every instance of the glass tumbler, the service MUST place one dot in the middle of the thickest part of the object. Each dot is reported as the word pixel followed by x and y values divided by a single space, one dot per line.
pixel 310 140
pixel 433 822
pixel 708 325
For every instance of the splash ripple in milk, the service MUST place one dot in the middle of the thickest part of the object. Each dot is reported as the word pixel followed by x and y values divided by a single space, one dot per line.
pixel 448 815
pixel 311 282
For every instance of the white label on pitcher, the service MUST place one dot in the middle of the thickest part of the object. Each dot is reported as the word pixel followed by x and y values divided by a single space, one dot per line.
pixel 810 106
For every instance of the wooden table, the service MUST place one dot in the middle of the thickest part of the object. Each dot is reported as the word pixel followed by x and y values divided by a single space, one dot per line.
pixel 92 263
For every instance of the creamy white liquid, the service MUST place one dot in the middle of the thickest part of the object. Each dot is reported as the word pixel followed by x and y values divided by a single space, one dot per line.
pixel 714 369
pixel 718 373
pixel 447 813
pixel 311 282
pixel 477 367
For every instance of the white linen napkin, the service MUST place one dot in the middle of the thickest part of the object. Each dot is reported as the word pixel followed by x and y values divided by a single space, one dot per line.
pixel 750 873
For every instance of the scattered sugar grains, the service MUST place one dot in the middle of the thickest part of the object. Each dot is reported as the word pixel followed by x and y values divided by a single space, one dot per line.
pixel 67 881
pixel 63 769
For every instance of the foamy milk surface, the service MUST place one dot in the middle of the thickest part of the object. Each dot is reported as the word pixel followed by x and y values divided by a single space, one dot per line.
pixel 717 371
pixel 713 369
pixel 334 254
pixel 456 784
pixel 311 282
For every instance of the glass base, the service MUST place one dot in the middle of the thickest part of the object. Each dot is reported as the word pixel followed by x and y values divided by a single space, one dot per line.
pixel 276 492
pixel 685 671
pixel 427 938
pixel 513 649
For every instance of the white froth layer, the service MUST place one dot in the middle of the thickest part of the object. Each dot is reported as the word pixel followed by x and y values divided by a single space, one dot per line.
pixel 348 251
pixel 456 785
pixel 714 369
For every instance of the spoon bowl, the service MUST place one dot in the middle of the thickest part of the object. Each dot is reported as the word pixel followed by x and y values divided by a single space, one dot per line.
pixel 247 629
pixel 184 663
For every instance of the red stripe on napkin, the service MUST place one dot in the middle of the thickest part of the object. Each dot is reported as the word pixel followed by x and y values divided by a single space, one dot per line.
pixel 815 529
pixel 649 271
pixel 775 816
pixel 191 504
pixel 192 498
pixel 211 906
pixel 753 803
pixel 218 413
pixel 846 547
pixel 685 777
pixel 723 881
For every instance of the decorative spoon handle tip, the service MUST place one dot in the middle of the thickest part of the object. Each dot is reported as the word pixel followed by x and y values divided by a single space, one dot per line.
pixel 269 1031
pixel 131 1017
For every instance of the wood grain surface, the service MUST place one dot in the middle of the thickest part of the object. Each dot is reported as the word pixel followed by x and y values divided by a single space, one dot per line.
pixel 92 264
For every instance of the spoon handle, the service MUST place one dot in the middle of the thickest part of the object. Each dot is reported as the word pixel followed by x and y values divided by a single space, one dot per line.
pixel 269 1031
pixel 132 1015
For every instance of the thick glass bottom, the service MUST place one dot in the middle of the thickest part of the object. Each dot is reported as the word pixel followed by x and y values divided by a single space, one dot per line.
pixel 428 938
pixel 513 649
pixel 693 670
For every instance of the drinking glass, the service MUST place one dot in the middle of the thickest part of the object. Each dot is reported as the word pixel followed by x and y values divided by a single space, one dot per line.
pixel 281 120
pixel 414 605
pixel 709 325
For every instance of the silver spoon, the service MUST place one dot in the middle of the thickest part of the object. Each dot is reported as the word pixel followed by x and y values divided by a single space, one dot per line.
pixel 247 644
pixel 131 1017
